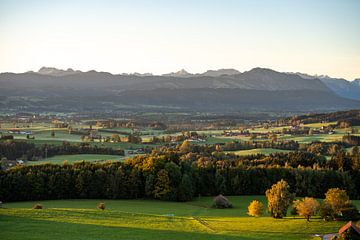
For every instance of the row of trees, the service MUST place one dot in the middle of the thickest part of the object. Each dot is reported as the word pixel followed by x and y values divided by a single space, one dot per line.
pixel 246 145
pixel 29 151
pixel 336 204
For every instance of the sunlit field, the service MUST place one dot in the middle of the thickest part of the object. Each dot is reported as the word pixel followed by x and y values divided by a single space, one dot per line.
pixel 265 151
pixel 59 159
pixel 150 219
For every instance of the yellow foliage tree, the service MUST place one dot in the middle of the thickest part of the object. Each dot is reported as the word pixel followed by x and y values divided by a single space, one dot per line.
pixel 279 199
pixel 185 147
pixel 255 208
pixel 336 199
pixel 306 207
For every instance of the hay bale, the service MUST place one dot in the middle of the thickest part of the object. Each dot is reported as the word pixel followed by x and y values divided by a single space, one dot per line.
pixel 38 206
pixel 221 202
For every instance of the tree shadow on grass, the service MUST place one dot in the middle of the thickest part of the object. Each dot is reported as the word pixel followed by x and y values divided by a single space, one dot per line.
pixel 13 228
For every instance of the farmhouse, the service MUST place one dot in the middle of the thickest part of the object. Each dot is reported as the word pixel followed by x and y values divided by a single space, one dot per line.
pixel 350 229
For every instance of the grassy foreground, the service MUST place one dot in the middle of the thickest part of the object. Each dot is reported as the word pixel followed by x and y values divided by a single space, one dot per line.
pixel 147 219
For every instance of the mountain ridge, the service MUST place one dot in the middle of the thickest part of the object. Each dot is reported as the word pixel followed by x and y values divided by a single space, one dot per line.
pixel 258 88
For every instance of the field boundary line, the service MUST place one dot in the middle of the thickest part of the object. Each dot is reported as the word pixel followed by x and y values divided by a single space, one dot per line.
pixel 203 223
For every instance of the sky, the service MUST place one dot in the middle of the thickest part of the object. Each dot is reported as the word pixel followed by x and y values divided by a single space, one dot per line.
pixel 158 36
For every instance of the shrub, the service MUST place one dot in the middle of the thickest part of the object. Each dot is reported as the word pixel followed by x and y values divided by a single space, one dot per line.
pixel 101 206
pixel 350 213
pixel 293 212
pixel 38 206
pixel 221 202
pixel 255 208
pixel 326 212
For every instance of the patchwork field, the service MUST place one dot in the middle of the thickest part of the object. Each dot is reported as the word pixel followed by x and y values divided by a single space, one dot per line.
pixel 149 219
pixel 77 157
pixel 265 151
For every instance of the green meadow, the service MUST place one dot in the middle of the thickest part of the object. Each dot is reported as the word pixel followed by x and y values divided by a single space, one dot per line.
pixel 59 159
pixel 265 151
pixel 151 219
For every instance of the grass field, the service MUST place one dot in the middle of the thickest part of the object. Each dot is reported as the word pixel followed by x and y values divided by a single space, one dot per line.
pixel 265 151
pixel 314 138
pixel 77 157
pixel 149 219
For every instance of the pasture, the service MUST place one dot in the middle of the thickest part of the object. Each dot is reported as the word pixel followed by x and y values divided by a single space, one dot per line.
pixel 77 157
pixel 265 151
pixel 151 219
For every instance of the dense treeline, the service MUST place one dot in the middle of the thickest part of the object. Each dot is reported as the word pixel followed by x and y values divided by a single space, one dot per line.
pixel 29 151
pixel 179 175
pixel 351 140
pixel 247 145
pixel 351 116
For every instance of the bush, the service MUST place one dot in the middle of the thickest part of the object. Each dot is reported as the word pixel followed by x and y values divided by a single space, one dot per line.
pixel 326 212
pixel 350 213
pixel 101 206
pixel 293 211
pixel 221 202
pixel 255 208
pixel 38 206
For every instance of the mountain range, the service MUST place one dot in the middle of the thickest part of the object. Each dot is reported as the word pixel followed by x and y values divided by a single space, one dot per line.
pixel 259 89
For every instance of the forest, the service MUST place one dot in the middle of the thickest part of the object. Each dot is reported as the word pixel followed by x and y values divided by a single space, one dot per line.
pixel 182 173
pixel 29 151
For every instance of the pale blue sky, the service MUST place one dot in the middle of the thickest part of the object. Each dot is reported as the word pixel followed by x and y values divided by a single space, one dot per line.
pixel 312 36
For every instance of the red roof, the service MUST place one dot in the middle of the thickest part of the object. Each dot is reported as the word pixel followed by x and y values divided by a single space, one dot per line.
pixel 349 225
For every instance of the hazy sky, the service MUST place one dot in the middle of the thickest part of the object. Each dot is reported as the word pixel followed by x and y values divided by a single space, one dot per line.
pixel 312 36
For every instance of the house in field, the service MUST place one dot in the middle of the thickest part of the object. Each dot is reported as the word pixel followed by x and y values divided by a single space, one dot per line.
pixel 350 230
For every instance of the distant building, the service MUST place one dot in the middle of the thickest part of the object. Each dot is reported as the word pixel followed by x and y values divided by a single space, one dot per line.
pixel 351 230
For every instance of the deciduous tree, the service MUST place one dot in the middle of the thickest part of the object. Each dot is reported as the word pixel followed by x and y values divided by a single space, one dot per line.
pixel 336 199
pixel 279 199
pixel 306 207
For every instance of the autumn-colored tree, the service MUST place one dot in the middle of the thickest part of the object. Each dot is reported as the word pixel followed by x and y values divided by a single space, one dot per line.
pixel 334 149
pixel 185 147
pixel 218 148
pixel 115 138
pixel 162 187
pixel 279 199
pixel 255 208
pixel 336 199
pixel 306 207
pixel 355 151
pixel 134 138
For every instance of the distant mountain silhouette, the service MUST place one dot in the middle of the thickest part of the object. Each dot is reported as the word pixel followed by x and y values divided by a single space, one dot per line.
pixel 56 72
pixel 221 90
pixel 340 86
pixel 180 73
